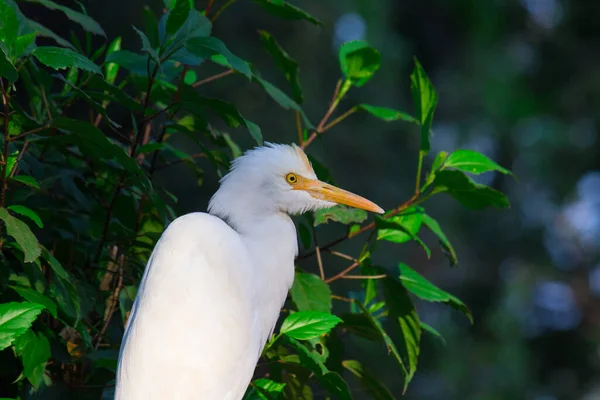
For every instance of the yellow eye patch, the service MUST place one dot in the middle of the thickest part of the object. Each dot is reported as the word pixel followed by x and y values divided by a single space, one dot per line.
pixel 291 178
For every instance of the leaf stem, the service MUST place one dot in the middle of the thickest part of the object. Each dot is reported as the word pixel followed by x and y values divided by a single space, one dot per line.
pixel 340 90
pixel 344 272
pixel 419 168
pixel 22 135
pixel 340 118
pixel 213 78
pixel 299 128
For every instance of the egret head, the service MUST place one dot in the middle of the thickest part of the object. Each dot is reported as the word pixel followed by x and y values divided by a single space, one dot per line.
pixel 277 178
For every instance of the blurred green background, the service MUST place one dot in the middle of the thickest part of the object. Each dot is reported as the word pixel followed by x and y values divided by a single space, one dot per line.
pixel 518 80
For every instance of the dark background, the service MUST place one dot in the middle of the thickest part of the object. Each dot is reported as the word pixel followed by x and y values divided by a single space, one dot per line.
pixel 518 81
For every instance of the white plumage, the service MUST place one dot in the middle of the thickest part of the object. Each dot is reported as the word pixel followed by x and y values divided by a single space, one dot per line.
pixel 214 285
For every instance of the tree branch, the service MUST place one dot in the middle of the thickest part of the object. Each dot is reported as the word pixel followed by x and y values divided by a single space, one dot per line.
pixel 213 78
pixel 4 179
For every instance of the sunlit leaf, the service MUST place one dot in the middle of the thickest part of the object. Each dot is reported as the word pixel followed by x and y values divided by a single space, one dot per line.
pixel 422 288
pixel 470 194
pixel 34 296
pixel 311 293
pixel 425 99
pixel 27 212
pixel 388 114
pixel 359 61
pixel 304 325
pixel 400 228
pixel 340 213
pixel 472 162
pixel 26 180
pixel 111 69
pixel 34 350
pixel 19 231
pixel 15 319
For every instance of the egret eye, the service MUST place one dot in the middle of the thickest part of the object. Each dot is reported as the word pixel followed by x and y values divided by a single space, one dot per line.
pixel 291 178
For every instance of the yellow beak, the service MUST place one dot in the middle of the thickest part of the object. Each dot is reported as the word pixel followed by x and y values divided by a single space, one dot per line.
pixel 324 191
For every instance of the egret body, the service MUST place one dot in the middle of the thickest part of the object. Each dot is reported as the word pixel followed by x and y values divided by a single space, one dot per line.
pixel 214 285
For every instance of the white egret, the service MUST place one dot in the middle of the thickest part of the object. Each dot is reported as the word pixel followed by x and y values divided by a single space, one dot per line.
pixel 214 285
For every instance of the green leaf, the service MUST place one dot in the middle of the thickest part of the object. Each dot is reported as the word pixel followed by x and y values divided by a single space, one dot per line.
pixel 472 162
pixel 284 62
pixel 27 212
pixel 26 180
pixel 227 111
pixel 190 77
pixel 340 213
pixel 206 47
pixel 22 235
pixel 11 162
pixel 369 382
pixel 470 194
pixel 434 226
pixel 23 45
pixel 285 10
pixel 34 351
pixel 305 325
pixel 7 69
pixel 401 309
pixel 359 61
pixel 111 69
pixel 85 21
pixel 15 319
pixel 9 24
pixel 96 145
pixel 425 99
pixel 196 25
pixel 382 335
pixel 267 389
pixel 426 290
pixel 400 228
pixel 178 15
pixel 330 380
pixel 311 293
pixel 283 99
pixel 146 46
pixel 388 114
pixel 430 329
pixel 437 164
pixel 126 299
pixel 61 58
pixel 362 325
pixel 151 26
pixel 34 296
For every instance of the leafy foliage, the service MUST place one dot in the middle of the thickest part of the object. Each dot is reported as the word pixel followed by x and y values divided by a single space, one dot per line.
pixel 84 130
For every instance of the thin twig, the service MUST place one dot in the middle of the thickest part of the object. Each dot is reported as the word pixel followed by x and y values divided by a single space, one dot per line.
pixel 208 7
pixel 22 135
pixel 230 2
pixel 19 157
pixel 344 272
pixel 339 119
pixel 320 261
pixel 332 105
pixel 363 276
pixel 299 128
pixel 213 78
pixel 342 255
pixel 346 299
pixel 115 299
